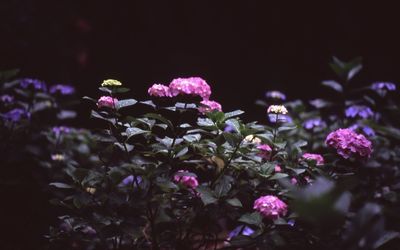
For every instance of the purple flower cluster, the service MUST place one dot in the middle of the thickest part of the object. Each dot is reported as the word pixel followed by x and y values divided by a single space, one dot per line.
pixel 368 131
pixel 6 99
pixel 16 115
pixel 62 89
pixel 61 129
pixel 277 95
pixel 383 86
pixel 32 83
pixel 270 207
pixel 281 118
pixel 314 123
pixel 240 230
pixel 361 111
pixel 348 143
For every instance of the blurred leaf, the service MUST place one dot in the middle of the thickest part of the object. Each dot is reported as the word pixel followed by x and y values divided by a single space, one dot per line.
pixel 223 186
pixel 134 131
pixel 333 85
pixel 234 124
pixel 233 114
pixel 251 219
pixel 234 202
pixel 66 114
pixel 206 195
pixel 61 185
pixel 192 138
pixel 125 103
pixel 278 176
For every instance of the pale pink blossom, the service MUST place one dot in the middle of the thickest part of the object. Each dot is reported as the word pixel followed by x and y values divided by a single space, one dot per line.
pixel 190 86
pixel 209 106
pixel 319 160
pixel 293 181
pixel 278 169
pixel 159 90
pixel 106 101
pixel 270 206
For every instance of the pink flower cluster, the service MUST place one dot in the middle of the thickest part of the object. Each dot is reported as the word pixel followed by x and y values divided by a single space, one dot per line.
pixel 348 143
pixel 265 150
pixel 106 101
pixel 314 157
pixel 159 90
pixel 188 181
pixel 187 86
pixel 195 86
pixel 270 207
pixel 208 106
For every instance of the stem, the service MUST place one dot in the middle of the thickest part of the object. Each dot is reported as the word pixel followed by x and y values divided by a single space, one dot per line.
pixel 227 164
pixel 274 137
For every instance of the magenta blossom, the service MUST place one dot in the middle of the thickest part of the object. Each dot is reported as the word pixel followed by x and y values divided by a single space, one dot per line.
pixel 270 207
pixel 209 106
pixel 278 169
pixel 348 143
pixel 159 90
pixel 188 181
pixel 319 160
pixel 107 101
pixel 190 86
pixel 264 149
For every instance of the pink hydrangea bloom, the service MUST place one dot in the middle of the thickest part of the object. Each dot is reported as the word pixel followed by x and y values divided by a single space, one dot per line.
pixel 293 181
pixel 106 101
pixel 159 90
pixel 265 150
pixel 278 169
pixel 188 181
pixel 190 86
pixel 270 206
pixel 208 106
pixel 314 157
pixel 348 143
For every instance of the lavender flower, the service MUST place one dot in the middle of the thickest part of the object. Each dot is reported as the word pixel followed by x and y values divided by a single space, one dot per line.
pixel 281 118
pixel 314 123
pixel 348 143
pixel 242 230
pixel 62 89
pixel 15 115
pixel 274 94
pixel 6 99
pixel 368 131
pixel 361 111
pixel 383 86
pixel 61 129
pixel 33 83
pixel 129 180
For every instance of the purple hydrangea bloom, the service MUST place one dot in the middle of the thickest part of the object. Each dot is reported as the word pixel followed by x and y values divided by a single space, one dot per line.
pixel 274 94
pixel 62 89
pixel 314 123
pixel 6 99
pixel 15 115
pixel 348 143
pixel 361 111
pixel 281 118
pixel 33 83
pixel 383 86
pixel 130 180
pixel 61 129
pixel 365 129
pixel 242 230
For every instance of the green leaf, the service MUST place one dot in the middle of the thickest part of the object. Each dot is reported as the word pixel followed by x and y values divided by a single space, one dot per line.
pixel 205 122
pixel 278 176
pixel 234 123
pixel 120 90
pixel 251 219
pixel 206 195
pixel 333 85
pixel 192 137
pixel 234 202
pixel 233 114
pixel 95 114
pixel 223 186
pixel 61 185
pixel 160 118
pixel 134 131
pixel 125 103
pixel 105 89
pixel 286 128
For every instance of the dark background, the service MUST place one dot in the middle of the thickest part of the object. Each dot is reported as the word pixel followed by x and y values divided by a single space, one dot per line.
pixel 242 48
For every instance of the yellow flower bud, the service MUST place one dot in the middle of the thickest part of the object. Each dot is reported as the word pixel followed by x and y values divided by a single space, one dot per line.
pixel 111 83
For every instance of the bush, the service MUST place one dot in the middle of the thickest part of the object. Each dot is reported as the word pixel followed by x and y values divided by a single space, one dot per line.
pixel 175 172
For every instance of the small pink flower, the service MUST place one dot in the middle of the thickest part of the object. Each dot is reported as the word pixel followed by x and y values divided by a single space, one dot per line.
pixel 188 181
pixel 106 101
pixel 319 160
pixel 308 179
pixel 270 207
pixel 278 169
pixel 209 106
pixel 293 181
pixel 190 86
pixel 265 150
pixel 159 90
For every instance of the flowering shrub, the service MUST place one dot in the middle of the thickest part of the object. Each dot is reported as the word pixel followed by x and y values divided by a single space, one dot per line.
pixel 178 173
